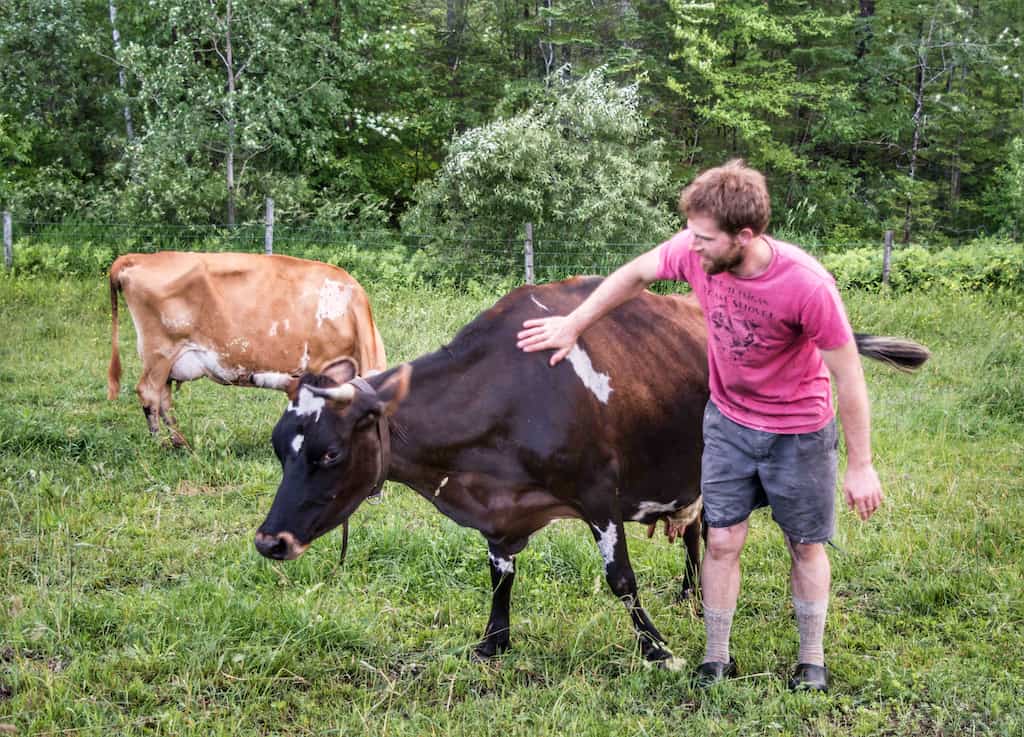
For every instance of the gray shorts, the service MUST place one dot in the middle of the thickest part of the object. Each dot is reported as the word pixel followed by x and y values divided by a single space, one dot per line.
pixel 744 469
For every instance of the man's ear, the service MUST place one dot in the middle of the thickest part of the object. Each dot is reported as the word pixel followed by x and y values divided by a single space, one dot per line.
pixel 394 390
pixel 342 370
pixel 746 236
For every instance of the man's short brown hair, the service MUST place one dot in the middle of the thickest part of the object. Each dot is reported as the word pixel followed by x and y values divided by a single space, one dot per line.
pixel 735 195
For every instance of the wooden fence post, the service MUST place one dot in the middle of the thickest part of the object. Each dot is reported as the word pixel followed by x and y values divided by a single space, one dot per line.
pixel 268 236
pixel 886 258
pixel 8 241
pixel 528 253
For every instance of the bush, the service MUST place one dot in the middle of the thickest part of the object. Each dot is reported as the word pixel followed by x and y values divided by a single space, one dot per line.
pixel 989 264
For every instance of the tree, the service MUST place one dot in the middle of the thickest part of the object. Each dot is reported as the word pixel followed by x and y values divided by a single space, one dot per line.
pixel 945 73
pixel 1006 192
pixel 578 164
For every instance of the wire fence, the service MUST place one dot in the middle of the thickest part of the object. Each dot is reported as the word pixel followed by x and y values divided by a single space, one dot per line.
pixel 90 247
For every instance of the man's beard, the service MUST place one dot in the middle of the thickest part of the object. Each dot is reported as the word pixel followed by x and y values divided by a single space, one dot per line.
pixel 727 262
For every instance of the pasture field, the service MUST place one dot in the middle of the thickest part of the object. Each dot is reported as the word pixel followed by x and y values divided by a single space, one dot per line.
pixel 132 601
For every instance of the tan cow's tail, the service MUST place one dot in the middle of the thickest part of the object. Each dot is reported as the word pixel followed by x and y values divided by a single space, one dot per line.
pixel 378 349
pixel 369 344
pixel 114 372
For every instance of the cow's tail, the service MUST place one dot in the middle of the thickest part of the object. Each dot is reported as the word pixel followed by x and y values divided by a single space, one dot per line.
pixel 114 371
pixel 900 353
pixel 372 354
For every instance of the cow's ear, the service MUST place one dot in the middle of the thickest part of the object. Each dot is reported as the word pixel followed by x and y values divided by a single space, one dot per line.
pixel 341 371
pixel 394 389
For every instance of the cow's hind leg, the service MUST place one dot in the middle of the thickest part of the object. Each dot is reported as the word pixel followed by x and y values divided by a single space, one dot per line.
pixel 503 573
pixel 149 398
pixel 611 540
pixel 155 398
pixel 167 415
pixel 691 577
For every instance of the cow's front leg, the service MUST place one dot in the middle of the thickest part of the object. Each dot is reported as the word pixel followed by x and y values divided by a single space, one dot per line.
pixel 611 541
pixel 503 573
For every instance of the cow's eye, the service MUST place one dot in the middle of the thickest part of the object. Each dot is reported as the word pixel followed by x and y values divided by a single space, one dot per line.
pixel 330 457
pixel 367 420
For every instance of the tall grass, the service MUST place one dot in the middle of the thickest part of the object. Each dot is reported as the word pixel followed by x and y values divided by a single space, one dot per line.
pixel 133 602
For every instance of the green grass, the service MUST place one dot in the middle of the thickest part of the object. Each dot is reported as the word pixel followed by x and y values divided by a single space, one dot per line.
pixel 133 602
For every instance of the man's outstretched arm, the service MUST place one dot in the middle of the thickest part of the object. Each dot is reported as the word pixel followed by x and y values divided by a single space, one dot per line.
pixel 560 333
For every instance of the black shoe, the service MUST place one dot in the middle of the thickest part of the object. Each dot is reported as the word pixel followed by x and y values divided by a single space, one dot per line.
pixel 708 674
pixel 809 677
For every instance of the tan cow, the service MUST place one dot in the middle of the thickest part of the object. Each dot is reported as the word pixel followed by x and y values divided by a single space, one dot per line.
pixel 242 319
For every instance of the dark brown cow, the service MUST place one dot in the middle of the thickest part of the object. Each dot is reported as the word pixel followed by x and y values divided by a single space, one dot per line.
pixel 499 441
pixel 236 318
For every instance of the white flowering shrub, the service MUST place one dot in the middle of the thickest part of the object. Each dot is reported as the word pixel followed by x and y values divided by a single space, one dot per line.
pixel 578 164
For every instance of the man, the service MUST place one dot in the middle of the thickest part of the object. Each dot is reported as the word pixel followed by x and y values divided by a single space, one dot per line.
pixel 776 329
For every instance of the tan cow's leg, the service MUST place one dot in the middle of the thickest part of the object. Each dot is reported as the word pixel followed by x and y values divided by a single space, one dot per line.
pixel 155 397
pixel 167 415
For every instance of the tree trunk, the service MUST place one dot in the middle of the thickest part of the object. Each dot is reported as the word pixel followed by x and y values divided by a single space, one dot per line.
pixel 129 129
pixel 455 28
pixel 918 119
pixel 867 10
pixel 229 157
pixel 547 49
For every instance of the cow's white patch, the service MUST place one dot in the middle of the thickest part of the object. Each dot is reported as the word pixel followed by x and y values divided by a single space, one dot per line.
pixel 333 301
pixel 181 321
pixel 195 362
pixel 308 403
pixel 297 443
pixel 271 380
pixel 600 384
pixel 273 329
pixel 537 302
pixel 504 565
pixel 304 361
pixel 440 486
pixel 606 543
pixel 287 325
pixel 240 344
pixel 645 509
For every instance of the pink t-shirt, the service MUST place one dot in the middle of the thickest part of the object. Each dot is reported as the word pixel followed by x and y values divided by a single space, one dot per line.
pixel 764 335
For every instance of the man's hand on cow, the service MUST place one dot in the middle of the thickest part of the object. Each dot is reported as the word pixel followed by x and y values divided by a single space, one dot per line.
pixel 547 333
pixel 863 490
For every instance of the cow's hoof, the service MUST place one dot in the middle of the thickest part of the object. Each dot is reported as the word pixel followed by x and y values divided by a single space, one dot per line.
pixel 486 651
pixel 656 654
pixel 671 663
pixel 174 441
pixel 686 594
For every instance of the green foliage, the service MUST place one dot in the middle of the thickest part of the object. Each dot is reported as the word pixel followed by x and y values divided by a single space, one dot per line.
pixel 864 116
pixel 577 164
pixel 991 265
pixel 1005 199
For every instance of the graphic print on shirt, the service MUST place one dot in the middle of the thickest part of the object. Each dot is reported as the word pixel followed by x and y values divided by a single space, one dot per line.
pixel 737 317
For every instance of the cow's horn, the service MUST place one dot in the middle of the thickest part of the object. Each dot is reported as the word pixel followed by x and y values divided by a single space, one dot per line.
pixel 344 393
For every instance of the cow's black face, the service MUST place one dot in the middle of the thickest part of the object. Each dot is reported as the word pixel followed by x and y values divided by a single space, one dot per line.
pixel 332 458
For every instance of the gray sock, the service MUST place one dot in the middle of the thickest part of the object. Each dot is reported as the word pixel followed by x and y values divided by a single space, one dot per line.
pixel 810 622
pixel 717 625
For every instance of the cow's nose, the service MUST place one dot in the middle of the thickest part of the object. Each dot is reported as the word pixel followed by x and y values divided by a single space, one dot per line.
pixel 271 546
